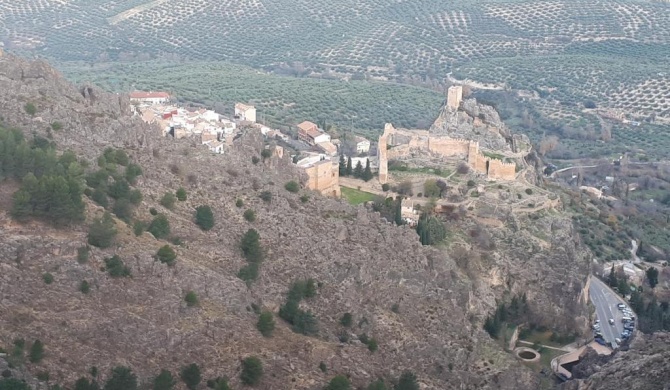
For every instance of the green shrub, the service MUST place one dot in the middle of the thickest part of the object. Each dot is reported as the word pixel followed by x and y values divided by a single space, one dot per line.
pixel 372 345
pixel 529 191
pixel 84 287
pixel 181 194
pixel 139 227
pixel 135 197
pixel 266 323
pixel 266 196
pixel 36 352
pixel 471 183
pixel 132 172
pixel 164 381
pixel 255 160
pixel 116 268
pixel 43 376
pixel 292 186
pixel 166 255
pixel 122 378
pixel 252 371
pixel 407 381
pixel 251 247
pixel 48 278
pixel 250 215
pixel 266 153
pixel 204 217
pixel 386 187
pixel 346 320
pixel 160 226
pixel 13 384
pixel 56 126
pixel 99 196
pixel 119 189
pixel 339 382
pixel 248 273
pixel 191 375
pixel 239 203
pixel 123 209
pixel 30 109
pixel 323 367
pixel 102 232
pixel 168 200
pixel 191 299
pixel 153 211
pixel 377 385
pixel 304 198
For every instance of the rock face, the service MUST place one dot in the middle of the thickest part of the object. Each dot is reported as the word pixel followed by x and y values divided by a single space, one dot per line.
pixel 363 265
pixel 646 365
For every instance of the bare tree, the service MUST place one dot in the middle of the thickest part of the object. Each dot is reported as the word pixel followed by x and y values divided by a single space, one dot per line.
pixel 547 144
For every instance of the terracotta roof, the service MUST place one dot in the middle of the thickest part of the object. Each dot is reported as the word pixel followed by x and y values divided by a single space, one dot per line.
pixel 306 125
pixel 243 107
pixel 148 95
pixel 328 147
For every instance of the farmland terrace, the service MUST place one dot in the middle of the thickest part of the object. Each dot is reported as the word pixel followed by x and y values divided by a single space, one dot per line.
pixel 555 54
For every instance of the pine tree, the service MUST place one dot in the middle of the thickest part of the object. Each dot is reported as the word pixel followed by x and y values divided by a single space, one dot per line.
pixel 612 279
pixel 350 169
pixel 166 255
pixel 122 379
pixel 204 217
pixel 160 226
pixel 342 166
pixel 36 352
pixel 367 173
pixel 407 381
pixel 358 171
pixel 339 382
pixel 164 381
pixel 191 375
pixel 102 232
pixel 252 370
pixel 266 324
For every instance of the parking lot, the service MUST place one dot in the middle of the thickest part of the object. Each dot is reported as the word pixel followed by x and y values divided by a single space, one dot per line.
pixel 609 324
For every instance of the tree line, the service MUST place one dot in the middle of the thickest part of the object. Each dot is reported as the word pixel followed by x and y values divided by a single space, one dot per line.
pixel 51 185
pixel 359 172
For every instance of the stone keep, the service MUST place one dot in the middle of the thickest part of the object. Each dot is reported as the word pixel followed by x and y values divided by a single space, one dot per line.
pixel 454 96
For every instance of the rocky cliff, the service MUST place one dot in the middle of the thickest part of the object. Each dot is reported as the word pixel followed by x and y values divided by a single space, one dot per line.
pixel 363 266
pixel 643 367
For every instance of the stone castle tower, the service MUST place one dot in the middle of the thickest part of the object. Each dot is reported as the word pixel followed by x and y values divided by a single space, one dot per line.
pixel 454 96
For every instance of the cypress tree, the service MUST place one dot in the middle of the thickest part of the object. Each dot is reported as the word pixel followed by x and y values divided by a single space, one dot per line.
pixel 343 165
pixel 367 173
pixel 358 171
pixel 350 169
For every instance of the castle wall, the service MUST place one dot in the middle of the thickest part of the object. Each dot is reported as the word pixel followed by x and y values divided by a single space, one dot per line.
pixel 445 146
pixel 324 177
pixel 449 146
pixel 501 170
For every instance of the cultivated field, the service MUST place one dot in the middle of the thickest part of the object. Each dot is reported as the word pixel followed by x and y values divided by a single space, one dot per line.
pixel 361 105
pixel 562 53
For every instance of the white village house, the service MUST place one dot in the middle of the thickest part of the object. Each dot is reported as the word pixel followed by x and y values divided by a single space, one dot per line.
pixel 245 112
pixel 149 97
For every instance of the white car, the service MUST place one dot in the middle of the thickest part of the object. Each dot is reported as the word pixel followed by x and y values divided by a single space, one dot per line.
pixel 611 321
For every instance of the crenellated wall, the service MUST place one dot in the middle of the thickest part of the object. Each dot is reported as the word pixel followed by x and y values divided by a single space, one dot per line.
pixel 445 146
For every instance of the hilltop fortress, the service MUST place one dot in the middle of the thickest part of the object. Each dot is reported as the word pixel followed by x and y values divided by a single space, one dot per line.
pixel 456 135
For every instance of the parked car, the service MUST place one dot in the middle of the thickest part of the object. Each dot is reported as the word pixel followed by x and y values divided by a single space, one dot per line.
pixel 611 321
pixel 600 341
pixel 618 340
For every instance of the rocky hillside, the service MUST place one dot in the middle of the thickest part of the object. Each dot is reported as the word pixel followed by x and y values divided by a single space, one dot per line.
pixel 412 300
pixel 643 367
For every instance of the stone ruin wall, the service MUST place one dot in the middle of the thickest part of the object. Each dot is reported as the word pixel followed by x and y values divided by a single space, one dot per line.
pixel 445 146
pixel 324 177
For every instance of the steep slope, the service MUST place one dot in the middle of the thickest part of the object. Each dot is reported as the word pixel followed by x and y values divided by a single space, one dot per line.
pixel 643 366
pixel 363 266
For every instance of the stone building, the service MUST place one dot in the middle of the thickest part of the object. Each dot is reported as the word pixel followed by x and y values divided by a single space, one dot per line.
pixel 245 112
pixel 323 174
pixel 454 96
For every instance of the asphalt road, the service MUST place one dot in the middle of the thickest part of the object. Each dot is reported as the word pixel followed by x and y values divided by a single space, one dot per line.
pixel 605 301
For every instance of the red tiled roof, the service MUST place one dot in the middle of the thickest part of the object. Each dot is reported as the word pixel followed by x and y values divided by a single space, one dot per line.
pixel 306 126
pixel 148 95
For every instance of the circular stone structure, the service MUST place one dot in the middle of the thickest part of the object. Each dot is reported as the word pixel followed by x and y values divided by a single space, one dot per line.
pixel 527 354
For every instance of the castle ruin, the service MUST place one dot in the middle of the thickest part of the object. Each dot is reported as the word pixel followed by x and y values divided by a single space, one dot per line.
pixel 454 96
pixel 390 148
